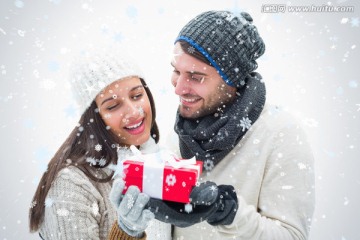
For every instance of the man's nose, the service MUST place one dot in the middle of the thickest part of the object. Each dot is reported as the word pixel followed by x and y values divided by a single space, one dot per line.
pixel 182 85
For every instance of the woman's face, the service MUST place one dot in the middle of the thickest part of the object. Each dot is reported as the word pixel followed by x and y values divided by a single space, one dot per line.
pixel 125 107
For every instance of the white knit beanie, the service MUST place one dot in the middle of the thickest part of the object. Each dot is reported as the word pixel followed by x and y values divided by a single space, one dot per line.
pixel 91 72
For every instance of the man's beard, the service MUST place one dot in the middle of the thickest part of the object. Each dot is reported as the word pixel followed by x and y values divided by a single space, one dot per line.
pixel 215 107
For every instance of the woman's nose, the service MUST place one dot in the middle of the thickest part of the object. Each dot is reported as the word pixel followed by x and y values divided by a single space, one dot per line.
pixel 133 111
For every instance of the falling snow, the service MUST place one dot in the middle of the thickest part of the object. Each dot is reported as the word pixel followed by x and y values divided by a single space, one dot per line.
pixel 98 147
pixel 188 208
pixel 213 189
pixel 321 83
pixel 102 162
pixel 191 49
pixel 33 204
pixel 245 123
pixel 91 161
pixel 48 202
pixel 95 208
pixel 130 201
pixel 62 212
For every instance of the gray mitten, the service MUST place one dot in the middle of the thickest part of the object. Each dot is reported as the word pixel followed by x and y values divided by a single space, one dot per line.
pixel 216 204
pixel 133 218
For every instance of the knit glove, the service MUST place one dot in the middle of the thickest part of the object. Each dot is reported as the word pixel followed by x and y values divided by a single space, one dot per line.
pixel 214 204
pixel 133 218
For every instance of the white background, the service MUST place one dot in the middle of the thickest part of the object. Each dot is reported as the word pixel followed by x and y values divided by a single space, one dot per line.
pixel 309 68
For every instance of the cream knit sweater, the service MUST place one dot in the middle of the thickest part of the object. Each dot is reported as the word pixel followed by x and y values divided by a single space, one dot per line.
pixel 79 208
pixel 272 172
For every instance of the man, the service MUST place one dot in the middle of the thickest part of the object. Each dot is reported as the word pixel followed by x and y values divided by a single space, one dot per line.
pixel 223 120
pixel 258 181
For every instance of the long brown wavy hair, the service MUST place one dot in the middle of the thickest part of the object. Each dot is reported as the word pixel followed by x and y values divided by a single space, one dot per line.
pixel 77 148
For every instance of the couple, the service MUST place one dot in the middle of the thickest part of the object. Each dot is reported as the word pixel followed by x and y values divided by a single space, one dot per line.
pixel 258 180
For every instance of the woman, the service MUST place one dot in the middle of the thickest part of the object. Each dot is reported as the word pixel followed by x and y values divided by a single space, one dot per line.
pixel 72 199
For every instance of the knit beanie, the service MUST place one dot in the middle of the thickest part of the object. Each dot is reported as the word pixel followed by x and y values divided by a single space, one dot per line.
pixel 229 42
pixel 94 70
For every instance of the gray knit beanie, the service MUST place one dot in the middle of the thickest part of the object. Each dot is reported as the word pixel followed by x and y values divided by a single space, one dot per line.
pixel 91 72
pixel 229 42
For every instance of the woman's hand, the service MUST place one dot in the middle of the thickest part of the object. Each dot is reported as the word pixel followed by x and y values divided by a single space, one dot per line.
pixel 133 218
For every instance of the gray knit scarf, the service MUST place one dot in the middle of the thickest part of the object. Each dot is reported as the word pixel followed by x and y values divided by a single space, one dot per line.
pixel 212 137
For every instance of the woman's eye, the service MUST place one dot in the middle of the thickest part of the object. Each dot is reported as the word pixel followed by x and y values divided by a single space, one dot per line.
pixel 112 107
pixel 176 72
pixel 137 96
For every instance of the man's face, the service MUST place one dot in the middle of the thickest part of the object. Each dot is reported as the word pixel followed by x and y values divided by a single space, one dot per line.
pixel 201 89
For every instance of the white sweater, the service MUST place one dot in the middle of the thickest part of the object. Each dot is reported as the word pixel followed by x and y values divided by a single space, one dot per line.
pixel 272 172
pixel 79 208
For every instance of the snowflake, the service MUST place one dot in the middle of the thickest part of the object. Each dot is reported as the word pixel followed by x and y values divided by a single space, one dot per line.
pixel 19 4
pixel 102 162
pixel 33 204
pixel 344 20
pixel 141 111
pixel 310 122
pixel 170 180
pixel 95 208
pixel 245 123
pixel 62 212
pixel 213 188
pixel 98 147
pixel 119 169
pixel 90 88
pixel 130 202
pixel 3 70
pixel 208 165
pixel 91 161
pixel 301 166
pixel 188 208
pixel 47 84
pixel 355 22
pixel 191 49
pixel 48 202
pixel 358 106
pixel 123 153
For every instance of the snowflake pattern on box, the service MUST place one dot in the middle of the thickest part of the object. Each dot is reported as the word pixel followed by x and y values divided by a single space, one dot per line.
pixel 170 180
pixel 208 165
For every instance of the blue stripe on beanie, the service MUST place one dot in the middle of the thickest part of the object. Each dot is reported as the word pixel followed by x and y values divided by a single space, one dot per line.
pixel 208 57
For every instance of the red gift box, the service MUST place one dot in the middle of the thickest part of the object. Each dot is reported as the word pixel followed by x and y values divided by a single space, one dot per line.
pixel 162 181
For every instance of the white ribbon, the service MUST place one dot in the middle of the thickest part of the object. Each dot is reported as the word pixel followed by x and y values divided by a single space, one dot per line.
pixel 162 156
pixel 154 164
